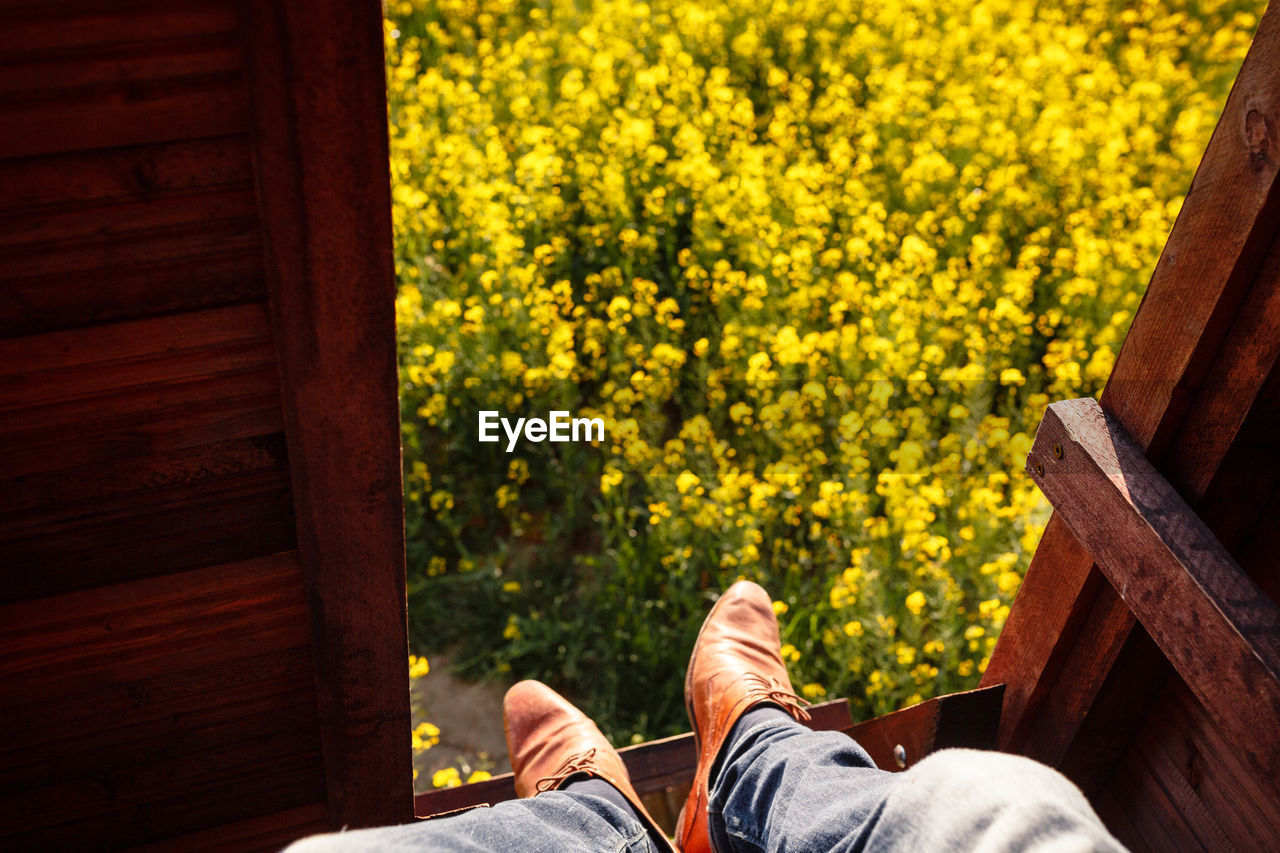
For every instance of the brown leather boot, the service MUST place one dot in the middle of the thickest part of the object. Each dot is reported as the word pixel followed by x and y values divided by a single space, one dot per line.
pixel 550 740
pixel 736 664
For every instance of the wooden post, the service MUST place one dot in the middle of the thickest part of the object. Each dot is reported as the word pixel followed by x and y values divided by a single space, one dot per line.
pixel 317 80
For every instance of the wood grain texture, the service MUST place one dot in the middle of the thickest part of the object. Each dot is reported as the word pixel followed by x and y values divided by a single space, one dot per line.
pixel 1118 709
pixel 1188 756
pixel 1225 228
pixel 134 449
pixel 1139 811
pixel 1202 787
pixel 1213 623
pixel 158 671
pixel 78 78
pixel 156 708
pixel 317 82
pixel 267 834
pixel 1233 505
pixel 105 236
pixel 85 179
pixel 73 27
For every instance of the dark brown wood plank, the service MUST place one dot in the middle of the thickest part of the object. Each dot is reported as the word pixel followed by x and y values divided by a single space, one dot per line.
pixel 1232 388
pixel 1185 798
pixel 121 709
pixel 137 173
pixel 203 106
pixel 1083 676
pixel 123 822
pixel 137 290
pixel 271 833
pixel 58 493
pixel 1225 226
pixel 1213 623
pixel 257 733
pixel 236 523
pixel 191 686
pixel 1119 822
pixel 1259 553
pixel 1181 739
pixel 73 27
pixel 140 423
pixel 1151 821
pixel 1234 502
pixel 1224 461
pixel 197 236
pixel 28 238
pixel 1239 503
pixel 1118 709
pixel 52 75
pixel 317 83
pixel 142 629
pixel 54 368
pixel 61 519
pixel 140 448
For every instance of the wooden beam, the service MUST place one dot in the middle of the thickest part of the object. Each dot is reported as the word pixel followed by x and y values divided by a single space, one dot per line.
pixel 651 766
pixel 1227 224
pixel 1213 623
pixel 1224 462
pixel 317 81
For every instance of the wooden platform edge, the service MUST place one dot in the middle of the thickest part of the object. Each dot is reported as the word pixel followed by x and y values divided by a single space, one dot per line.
pixel 651 766
pixel 969 719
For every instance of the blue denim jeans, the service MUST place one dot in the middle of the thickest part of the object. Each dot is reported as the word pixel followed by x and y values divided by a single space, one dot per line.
pixel 781 787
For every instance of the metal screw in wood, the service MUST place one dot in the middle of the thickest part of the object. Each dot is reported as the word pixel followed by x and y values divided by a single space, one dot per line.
pixel 1057 451
pixel 900 755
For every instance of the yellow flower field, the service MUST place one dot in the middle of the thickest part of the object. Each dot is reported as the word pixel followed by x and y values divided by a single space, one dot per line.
pixel 820 265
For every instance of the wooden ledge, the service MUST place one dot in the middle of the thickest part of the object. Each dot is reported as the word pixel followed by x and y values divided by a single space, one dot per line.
pixel 652 766
pixel 662 770
pixel 970 719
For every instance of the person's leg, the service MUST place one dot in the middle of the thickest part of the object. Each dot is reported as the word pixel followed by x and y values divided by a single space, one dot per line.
pixel 555 747
pixel 779 785
pixel 574 793
pixel 782 787
pixel 962 799
pixel 551 822
pixel 736 669
pixel 765 782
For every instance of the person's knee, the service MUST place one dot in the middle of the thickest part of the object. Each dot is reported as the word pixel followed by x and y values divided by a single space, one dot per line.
pixel 990 800
pixel 995 777
pixel 326 843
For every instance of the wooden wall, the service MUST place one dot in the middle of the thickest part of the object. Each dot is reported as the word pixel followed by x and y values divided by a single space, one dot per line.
pixel 202 631
pixel 1197 384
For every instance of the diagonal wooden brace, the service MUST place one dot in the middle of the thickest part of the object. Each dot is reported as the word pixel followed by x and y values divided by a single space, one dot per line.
pixel 1216 627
